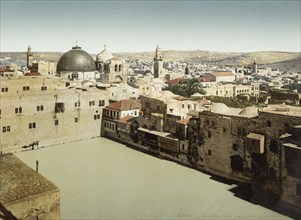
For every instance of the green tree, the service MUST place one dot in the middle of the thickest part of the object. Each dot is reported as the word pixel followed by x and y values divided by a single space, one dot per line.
pixel 186 88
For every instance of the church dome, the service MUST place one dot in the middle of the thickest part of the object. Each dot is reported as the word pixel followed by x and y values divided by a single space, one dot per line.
pixel 104 55
pixel 76 60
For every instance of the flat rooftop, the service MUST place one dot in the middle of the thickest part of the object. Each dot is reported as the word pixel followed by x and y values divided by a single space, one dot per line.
pixel 283 110
pixel 19 181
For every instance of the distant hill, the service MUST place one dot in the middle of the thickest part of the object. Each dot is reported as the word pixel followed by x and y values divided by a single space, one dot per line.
pixel 285 61
pixel 293 65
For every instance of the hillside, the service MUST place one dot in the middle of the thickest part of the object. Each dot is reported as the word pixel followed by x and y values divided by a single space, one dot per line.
pixel 293 65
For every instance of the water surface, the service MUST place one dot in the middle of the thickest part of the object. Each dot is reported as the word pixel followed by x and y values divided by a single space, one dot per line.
pixel 102 179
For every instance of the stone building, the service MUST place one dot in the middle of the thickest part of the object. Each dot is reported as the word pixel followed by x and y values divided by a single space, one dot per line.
pixel 222 76
pixel 116 118
pixel 26 194
pixel 232 90
pixel 247 146
pixel 112 69
pixel 255 147
pixel 43 67
pixel 119 92
pixel 47 110
pixel 6 71
pixel 284 95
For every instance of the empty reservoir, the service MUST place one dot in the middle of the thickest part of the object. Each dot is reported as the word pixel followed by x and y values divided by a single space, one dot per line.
pixel 102 179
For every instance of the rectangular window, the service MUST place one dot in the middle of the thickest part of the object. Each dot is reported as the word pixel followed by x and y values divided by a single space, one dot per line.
pixel 209 152
pixel 224 130
pixel 5 89
pixel 77 104
pixel 56 122
pixel 18 110
pixel 25 88
pixel 91 103
pixel 75 120
pixel 96 117
pixel 209 134
pixel 32 125
pixel 101 102
pixel 40 108
pixel 6 129
pixel 43 88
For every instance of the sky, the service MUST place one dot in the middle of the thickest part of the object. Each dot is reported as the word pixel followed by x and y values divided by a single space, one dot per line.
pixel 134 26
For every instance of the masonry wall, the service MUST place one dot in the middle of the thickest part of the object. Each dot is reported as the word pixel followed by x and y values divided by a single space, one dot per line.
pixel 41 206
pixel 38 119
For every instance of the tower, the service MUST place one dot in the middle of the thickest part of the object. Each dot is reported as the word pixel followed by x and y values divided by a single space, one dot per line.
pixel 29 57
pixel 158 64
pixel 255 66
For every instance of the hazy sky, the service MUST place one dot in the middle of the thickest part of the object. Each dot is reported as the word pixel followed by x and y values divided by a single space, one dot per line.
pixel 141 25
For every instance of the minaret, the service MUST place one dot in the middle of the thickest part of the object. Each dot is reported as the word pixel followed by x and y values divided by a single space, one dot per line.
pixel 29 58
pixel 255 66
pixel 158 64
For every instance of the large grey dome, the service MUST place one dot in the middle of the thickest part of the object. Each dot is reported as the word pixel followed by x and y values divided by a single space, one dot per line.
pixel 76 60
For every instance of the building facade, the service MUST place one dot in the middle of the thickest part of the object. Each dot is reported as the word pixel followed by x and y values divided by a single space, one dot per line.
pixel 112 69
pixel 232 90
pixel 46 110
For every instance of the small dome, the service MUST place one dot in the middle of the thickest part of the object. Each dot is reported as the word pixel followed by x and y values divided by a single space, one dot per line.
pixel 76 60
pixel 104 55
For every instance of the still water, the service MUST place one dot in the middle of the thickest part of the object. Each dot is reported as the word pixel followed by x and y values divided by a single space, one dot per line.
pixel 102 179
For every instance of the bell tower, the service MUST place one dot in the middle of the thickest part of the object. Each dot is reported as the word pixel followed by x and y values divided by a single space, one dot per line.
pixel 29 57
pixel 158 64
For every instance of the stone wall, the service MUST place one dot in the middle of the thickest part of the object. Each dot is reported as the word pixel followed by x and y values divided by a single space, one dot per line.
pixel 31 115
